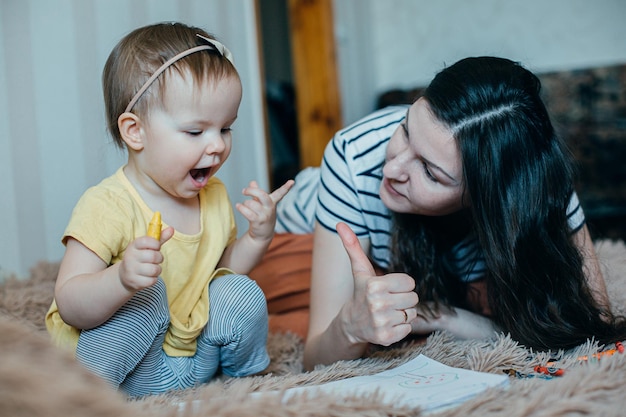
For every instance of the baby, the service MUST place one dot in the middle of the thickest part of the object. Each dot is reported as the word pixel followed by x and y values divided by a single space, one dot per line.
pixel 152 315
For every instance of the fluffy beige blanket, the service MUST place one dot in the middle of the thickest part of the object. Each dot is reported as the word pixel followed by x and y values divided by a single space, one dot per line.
pixel 38 380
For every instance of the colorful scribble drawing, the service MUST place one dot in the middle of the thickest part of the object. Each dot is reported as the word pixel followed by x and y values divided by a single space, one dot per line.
pixel 428 381
pixel 438 388
pixel 441 388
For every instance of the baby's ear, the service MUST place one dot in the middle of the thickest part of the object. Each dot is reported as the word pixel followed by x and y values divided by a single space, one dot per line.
pixel 130 130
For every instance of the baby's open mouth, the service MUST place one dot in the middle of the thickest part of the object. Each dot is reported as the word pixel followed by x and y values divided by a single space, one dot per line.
pixel 199 175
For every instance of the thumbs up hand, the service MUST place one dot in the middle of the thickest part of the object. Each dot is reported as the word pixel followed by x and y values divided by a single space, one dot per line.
pixel 382 307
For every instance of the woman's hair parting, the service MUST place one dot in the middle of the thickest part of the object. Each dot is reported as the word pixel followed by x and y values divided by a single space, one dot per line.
pixel 136 71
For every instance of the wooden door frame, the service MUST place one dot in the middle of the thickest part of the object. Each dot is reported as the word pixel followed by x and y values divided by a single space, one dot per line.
pixel 316 81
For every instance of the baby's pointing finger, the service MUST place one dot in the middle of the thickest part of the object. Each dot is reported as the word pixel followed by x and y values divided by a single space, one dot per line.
pixel 279 193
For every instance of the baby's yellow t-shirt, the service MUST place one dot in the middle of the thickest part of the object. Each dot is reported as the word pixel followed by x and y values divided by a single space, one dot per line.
pixel 112 214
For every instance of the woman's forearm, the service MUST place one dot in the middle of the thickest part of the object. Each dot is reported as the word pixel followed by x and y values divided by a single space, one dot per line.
pixel 331 345
pixel 462 324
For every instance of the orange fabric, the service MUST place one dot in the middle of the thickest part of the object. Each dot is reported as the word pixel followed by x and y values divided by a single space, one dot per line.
pixel 296 322
pixel 284 275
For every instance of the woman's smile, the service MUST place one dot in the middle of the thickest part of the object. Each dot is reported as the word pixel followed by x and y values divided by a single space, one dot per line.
pixel 390 188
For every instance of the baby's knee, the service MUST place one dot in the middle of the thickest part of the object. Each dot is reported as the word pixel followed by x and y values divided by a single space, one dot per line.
pixel 240 295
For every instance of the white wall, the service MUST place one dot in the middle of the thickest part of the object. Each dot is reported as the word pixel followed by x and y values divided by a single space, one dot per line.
pixel 53 143
pixel 403 43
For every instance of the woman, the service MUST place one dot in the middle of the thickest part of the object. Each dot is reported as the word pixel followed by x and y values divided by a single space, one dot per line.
pixel 464 205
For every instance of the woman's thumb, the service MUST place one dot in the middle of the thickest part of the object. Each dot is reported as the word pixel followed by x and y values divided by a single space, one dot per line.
pixel 361 265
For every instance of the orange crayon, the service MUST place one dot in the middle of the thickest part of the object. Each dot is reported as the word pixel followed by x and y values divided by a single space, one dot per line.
pixel 619 348
pixel 154 228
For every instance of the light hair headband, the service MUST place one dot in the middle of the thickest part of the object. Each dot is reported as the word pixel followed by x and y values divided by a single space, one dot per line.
pixel 213 45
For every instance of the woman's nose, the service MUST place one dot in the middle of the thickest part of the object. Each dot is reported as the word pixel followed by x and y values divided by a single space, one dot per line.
pixel 396 167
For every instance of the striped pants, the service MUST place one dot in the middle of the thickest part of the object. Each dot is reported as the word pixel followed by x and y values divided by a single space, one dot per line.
pixel 127 350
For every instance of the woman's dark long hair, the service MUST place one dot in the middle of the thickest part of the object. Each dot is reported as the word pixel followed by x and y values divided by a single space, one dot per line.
pixel 518 178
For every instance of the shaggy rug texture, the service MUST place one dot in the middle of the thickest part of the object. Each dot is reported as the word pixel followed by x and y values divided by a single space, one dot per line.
pixel 37 379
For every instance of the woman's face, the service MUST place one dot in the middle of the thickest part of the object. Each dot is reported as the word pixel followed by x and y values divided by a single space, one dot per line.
pixel 422 172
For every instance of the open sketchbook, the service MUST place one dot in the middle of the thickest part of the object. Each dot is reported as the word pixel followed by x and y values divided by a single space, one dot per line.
pixel 421 382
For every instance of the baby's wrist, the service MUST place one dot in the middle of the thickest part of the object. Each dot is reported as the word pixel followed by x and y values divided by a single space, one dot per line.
pixel 261 239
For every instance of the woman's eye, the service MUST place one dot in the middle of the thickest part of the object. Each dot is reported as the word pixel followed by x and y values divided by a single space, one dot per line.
pixel 428 173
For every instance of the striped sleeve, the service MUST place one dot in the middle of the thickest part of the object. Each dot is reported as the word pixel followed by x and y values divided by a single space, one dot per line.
pixel 575 214
pixel 351 174
pixel 295 213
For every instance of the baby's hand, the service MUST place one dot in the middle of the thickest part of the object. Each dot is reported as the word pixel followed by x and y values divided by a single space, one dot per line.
pixel 141 265
pixel 260 210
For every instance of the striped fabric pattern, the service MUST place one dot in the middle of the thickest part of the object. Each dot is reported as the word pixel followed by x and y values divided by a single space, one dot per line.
pixel 127 350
